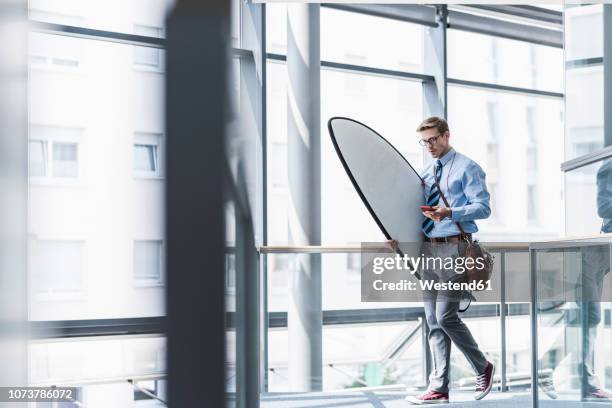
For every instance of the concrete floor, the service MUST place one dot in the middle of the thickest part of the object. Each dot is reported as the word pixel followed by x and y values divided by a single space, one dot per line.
pixel 393 399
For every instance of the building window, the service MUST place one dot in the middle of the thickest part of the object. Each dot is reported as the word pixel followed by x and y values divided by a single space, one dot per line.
pixel 148 263
pixel 353 262
pixel 532 158
pixel 492 117
pixel 65 160
pixel 37 161
pixel 145 390
pixel 532 205
pixel 53 153
pixel 492 155
pixel 493 200
pixel 147 147
pixel 280 270
pixel 57 267
pixel 147 57
pixel 531 120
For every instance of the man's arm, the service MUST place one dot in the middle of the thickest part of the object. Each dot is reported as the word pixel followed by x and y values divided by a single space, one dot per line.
pixel 475 190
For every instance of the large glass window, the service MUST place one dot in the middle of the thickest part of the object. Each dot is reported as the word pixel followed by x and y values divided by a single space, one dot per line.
pixel 57 268
pixel 109 15
pixel 492 126
pixel 354 38
pixel 391 106
pixel 485 58
pixel 584 80
pixel 87 143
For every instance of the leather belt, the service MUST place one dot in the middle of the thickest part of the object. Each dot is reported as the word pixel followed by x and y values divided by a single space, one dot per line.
pixel 451 238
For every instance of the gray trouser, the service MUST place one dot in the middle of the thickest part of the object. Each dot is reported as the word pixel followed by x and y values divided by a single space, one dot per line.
pixel 446 326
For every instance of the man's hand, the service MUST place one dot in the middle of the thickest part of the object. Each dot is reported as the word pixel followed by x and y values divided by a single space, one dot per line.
pixel 393 244
pixel 439 214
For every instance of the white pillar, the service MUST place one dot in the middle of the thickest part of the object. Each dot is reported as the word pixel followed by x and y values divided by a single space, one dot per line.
pixel 304 162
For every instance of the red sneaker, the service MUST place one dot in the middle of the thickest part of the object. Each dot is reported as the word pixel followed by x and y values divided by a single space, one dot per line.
pixel 599 395
pixel 429 397
pixel 484 382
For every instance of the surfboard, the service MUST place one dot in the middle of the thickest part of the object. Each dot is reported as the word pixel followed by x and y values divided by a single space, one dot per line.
pixel 389 186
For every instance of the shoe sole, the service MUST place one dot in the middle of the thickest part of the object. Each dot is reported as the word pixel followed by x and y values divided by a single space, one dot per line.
pixel 415 401
pixel 486 392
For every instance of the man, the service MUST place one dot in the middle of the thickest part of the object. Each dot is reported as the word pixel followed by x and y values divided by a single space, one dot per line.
pixel 462 182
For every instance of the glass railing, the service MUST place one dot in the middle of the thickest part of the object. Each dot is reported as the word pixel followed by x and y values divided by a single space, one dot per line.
pixel 573 307
pixel 382 345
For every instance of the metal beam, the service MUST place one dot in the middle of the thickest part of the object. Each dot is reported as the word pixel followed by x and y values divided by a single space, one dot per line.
pixel 587 159
pixel 505 88
pixel 412 13
pixel 97 327
pixel 435 95
pixel 536 14
pixel 364 69
pixel 101 35
pixel 505 29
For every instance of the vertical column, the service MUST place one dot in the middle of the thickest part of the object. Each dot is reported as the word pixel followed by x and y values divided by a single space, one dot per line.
pixel 196 100
pixel 253 105
pixel 533 318
pixel 304 161
pixel 13 193
pixel 434 49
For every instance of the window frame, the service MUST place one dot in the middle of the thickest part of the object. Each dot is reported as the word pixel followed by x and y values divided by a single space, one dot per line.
pixel 147 282
pixel 156 140
pixel 50 139
pixel 52 295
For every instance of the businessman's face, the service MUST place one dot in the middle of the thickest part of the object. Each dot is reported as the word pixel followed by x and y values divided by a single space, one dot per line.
pixel 437 144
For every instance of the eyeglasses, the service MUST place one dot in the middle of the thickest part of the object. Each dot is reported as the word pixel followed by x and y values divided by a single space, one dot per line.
pixel 431 141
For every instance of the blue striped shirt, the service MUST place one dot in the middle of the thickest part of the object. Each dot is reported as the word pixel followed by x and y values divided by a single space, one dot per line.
pixel 463 185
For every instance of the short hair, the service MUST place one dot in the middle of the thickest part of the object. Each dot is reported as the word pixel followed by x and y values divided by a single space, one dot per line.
pixel 433 122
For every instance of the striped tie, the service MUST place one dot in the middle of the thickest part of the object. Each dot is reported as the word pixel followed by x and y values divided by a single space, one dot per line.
pixel 433 199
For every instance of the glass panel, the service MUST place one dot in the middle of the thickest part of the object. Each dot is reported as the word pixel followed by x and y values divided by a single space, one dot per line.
pixel 588 207
pixel 144 157
pixel 276 28
pixel 583 31
pixel 356 39
pixel 365 98
pixel 147 56
pixel 37 158
pixel 109 15
pixel 484 58
pixel 574 294
pixel 518 348
pixel 100 106
pixel 57 267
pixel 94 359
pixel 585 105
pixel 65 161
pixel 148 261
pixel 584 80
pixel 372 351
pixel 498 125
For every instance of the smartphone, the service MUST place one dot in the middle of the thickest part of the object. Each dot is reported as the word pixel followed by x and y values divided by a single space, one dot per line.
pixel 427 208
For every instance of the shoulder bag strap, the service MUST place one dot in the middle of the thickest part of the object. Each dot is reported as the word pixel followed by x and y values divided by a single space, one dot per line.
pixel 446 202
